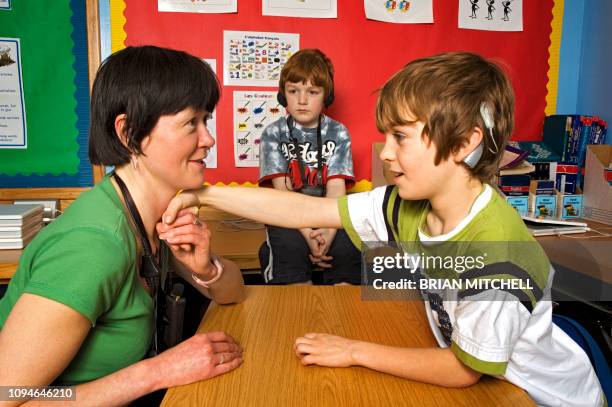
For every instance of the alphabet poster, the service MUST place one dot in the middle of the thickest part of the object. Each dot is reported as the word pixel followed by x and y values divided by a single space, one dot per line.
pixel 13 133
pixel 253 111
pixel 399 11
pixel 491 15
pixel 300 8
pixel 198 6
pixel 256 58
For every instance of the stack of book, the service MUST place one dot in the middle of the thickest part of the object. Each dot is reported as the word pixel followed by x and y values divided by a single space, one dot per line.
pixel 19 224
pixel 568 135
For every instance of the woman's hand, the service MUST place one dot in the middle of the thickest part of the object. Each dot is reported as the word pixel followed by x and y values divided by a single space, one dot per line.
pixel 189 240
pixel 200 357
pixel 325 350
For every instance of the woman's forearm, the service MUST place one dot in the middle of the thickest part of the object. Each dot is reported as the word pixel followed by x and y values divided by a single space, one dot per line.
pixel 229 289
pixel 116 389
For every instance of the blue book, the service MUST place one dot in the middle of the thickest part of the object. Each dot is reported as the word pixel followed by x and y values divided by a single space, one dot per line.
pixel 557 132
pixel 575 140
pixel 539 152
pixel 585 136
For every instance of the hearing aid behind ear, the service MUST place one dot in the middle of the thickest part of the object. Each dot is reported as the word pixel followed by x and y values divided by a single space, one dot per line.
pixel 487 117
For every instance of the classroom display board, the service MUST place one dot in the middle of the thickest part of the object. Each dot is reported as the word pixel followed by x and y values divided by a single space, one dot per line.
pixel 44 95
pixel 365 53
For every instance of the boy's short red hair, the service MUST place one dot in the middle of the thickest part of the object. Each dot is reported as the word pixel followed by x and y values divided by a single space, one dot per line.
pixel 308 64
pixel 445 92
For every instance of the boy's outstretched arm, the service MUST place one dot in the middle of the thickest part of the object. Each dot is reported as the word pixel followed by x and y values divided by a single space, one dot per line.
pixel 278 208
pixel 428 365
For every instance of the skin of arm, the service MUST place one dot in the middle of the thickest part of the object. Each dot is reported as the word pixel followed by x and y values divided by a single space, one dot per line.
pixel 284 184
pixel 428 365
pixel 264 205
pixel 41 337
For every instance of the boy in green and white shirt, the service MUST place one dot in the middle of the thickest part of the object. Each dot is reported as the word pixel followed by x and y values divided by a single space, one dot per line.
pixel 446 120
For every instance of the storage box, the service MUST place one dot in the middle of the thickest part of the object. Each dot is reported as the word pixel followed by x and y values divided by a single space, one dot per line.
pixel 569 206
pixel 543 205
pixel 520 203
pixel 597 202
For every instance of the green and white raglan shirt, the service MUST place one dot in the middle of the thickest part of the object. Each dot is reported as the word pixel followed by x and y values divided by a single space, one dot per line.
pixel 506 333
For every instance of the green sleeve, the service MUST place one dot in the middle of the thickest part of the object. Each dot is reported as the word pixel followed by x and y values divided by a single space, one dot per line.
pixel 347 225
pixel 481 366
pixel 83 269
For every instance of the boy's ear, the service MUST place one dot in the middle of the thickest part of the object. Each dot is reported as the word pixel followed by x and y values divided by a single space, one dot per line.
pixel 120 129
pixel 471 144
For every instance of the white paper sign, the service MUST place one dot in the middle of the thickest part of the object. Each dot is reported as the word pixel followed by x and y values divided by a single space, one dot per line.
pixel 198 6
pixel 211 159
pixel 256 58
pixel 300 8
pixel 5 4
pixel 491 15
pixel 13 132
pixel 400 11
pixel 253 111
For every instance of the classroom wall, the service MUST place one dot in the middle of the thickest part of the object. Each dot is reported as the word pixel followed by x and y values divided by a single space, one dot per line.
pixel 365 54
pixel 586 59
pixel 570 52
pixel 594 92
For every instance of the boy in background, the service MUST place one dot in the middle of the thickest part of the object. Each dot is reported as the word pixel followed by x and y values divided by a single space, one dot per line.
pixel 310 153
pixel 446 120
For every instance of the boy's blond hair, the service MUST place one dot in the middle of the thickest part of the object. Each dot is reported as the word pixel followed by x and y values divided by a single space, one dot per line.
pixel 445 93
pixel 308 64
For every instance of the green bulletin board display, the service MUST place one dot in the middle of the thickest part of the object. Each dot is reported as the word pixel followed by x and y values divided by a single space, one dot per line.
pixel 53 45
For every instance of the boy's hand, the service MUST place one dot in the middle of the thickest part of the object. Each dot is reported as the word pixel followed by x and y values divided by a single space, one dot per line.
pixel 325 236
pixel 321 261
pixel 313 244
pixel 325 350
pixel 187 199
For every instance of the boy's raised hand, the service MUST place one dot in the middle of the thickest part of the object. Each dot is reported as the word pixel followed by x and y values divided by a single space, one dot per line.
pixel 187 199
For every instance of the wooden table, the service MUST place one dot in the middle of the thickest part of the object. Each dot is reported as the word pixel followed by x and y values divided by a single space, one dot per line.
pixel 8 264
pixel 270 319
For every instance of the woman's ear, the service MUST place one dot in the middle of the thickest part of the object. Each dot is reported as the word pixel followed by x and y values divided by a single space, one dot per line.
pixel 470 145
pixel 120 129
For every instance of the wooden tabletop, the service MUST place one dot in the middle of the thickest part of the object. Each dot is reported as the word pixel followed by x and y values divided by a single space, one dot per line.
pixel 270 319
pixel 8 264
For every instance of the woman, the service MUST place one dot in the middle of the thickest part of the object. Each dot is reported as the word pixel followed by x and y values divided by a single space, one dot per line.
pixel 79 311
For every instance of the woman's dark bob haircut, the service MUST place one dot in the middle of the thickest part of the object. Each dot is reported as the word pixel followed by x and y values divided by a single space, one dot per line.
pixel 144 83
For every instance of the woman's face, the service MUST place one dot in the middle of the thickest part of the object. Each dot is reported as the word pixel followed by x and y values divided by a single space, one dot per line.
pixel 174 151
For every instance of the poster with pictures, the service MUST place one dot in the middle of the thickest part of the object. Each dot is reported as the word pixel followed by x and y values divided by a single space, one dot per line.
pixel 5 4
pixel 13 130
pixel 400 11
pixel 300 8
pixel 491 15
pixel 198 6
pixel 256 58
pixel 253 111
pixel 211 159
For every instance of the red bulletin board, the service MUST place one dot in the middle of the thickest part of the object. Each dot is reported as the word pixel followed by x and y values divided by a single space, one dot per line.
pixel 364 52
